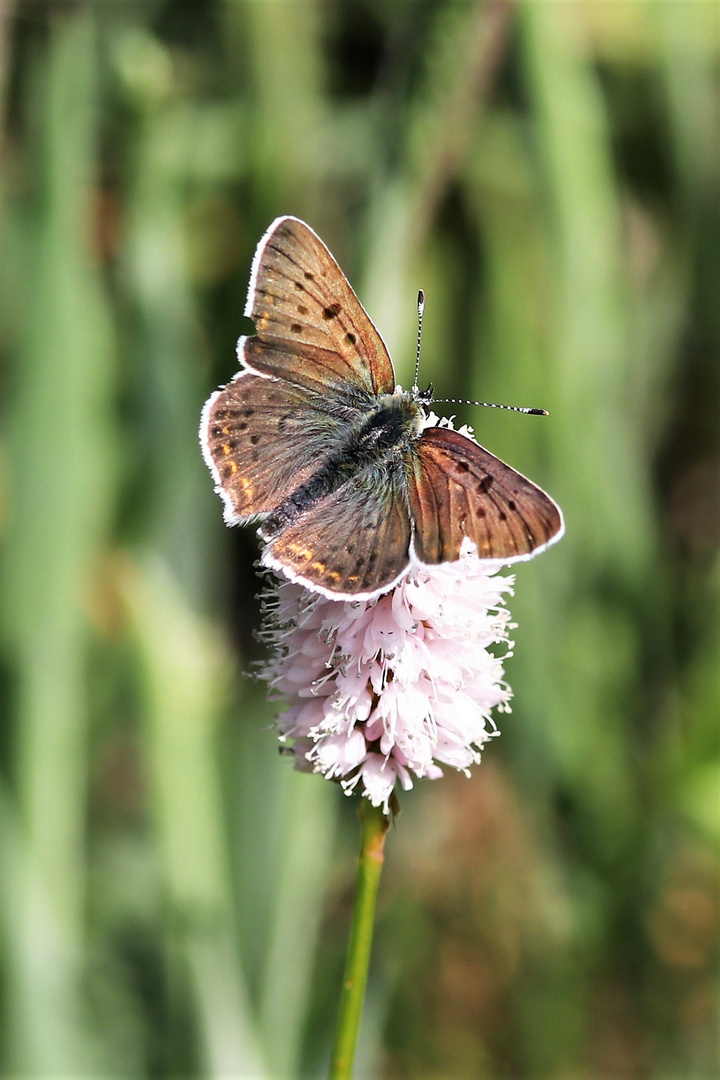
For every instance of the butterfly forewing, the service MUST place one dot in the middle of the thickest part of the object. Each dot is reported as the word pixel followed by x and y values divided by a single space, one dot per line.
pixel 457 489
pixel 311 329
pixel 353 542
pixel 262 438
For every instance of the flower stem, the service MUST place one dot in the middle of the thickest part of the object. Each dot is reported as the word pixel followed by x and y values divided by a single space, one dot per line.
pixel 370 860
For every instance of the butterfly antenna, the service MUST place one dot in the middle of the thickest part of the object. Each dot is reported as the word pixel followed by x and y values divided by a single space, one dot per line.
pixel 489 405
pixel 457 401
pixel 421 309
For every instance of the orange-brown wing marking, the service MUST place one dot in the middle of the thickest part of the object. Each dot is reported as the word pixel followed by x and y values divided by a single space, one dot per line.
pixel 457 489
pixel 311 329
pixel 261 439
pixel 352 542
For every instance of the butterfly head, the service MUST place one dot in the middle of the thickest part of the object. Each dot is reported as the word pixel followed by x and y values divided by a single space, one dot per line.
pixel 408 408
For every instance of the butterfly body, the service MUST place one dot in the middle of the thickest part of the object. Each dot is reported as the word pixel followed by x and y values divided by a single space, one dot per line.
pixel 313 438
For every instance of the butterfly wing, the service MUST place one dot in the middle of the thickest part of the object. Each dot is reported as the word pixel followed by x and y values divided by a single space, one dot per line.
pixel 457 489
pixel 261 438
pixel 364 550
pixel 311 329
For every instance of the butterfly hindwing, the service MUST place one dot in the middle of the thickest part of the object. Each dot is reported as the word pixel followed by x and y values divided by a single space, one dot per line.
pixel 261 438
pixel 457 489
pixel 353 542
pixel 310 327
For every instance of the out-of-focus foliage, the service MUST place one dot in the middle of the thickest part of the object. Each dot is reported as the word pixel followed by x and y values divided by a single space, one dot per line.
pixel 173 898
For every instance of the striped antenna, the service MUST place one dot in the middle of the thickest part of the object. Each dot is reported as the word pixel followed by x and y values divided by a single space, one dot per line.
pixel 428 396
pixel 421 309
pixel 489 405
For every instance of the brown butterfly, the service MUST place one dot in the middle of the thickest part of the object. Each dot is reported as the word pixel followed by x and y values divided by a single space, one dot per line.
pixel 313 438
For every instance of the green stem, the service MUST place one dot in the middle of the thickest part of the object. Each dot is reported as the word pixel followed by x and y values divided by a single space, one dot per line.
pixel 370 860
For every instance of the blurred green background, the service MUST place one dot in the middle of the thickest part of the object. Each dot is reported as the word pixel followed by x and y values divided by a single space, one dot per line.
pixel 174 900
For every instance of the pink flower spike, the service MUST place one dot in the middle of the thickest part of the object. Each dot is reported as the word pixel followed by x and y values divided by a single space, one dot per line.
pixel 386 691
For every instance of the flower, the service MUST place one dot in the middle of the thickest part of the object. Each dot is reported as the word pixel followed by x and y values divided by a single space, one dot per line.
pixel 386 690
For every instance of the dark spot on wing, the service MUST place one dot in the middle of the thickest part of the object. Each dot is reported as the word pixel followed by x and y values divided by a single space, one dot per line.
pixel 302 310
pixel 254 439
pixel 462 466
pixel 308 276
pixel 481 513
pixel 350 338
pixel 331 312
pixel 296 328
pixel 485 484
pixel 300 287
pixel 502 515
pixel 512 505
pixel 217 432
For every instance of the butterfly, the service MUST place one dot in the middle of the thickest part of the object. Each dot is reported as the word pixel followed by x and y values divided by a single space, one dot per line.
pixel 313 438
